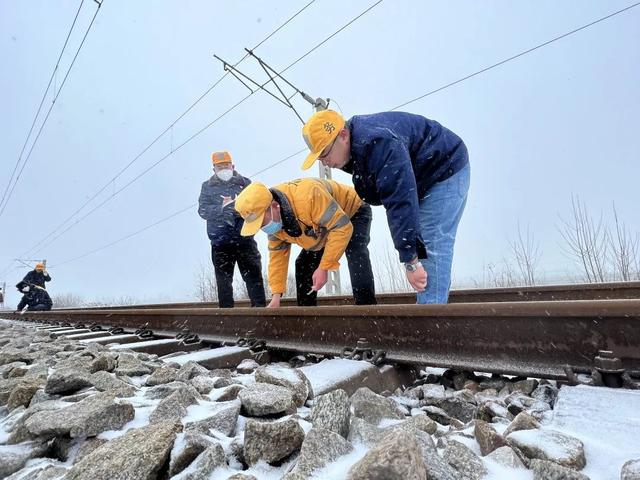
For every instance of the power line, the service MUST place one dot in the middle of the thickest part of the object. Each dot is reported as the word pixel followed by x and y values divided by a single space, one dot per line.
pixel 502 62
pixel 155 140
pixel 147 170
pixel 26 160
pixel 399 106
pixel 167 218
pixel 44 95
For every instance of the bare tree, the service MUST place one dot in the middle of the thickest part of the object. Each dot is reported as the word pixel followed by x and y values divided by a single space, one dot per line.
pixel 206 289
pixel 526 253
pixel 389 274
pixel 624 246
pixel 66 300
pixel 586 241
pixel 500 274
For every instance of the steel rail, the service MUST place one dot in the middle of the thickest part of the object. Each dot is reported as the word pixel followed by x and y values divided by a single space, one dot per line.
pixel 537 339
pixel 588 291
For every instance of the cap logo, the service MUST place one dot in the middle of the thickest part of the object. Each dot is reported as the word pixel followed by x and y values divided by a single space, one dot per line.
pixel 251 217
pixel 329 127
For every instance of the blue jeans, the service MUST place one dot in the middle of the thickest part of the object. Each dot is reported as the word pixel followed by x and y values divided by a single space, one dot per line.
pixel 440 213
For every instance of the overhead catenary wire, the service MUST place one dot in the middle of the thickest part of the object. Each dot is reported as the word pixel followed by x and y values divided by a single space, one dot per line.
pixel 158 137
pixel 192 137
pixel 518 55
pixel 399 106
pixel 44 96
pixel 53 102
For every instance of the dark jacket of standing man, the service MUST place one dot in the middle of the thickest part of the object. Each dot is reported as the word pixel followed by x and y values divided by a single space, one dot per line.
pixel 228 247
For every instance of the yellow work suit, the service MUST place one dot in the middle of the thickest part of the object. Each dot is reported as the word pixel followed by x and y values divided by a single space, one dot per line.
pixel 323 209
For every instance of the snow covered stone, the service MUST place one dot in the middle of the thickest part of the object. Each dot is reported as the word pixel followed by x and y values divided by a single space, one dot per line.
pixel 88 446
pixel 190 370
pixel 420 423
pixel 185 450
pixel 87 418
pixel 139 453
pixel 103 362
pixel 271 441
pixel 174 407
pixel 331 411
pixel 396 457
pixel 228 393
pixel 506 457
pixel 320 447
pixel 286 377
pixel 437 414
pixel 490 410
pixel 464 461
pixel 523 421
pixel 265 399
pixel 14 457
pixel 549 445
pixel 525 386
pixel 432 394
pixel 361 431
pixel 373 407
pixel 67 380
pixel 544 470
pixel 247 366
pixel 22 393
pixel 212 458
pixel 203 383
pixel 631 470
pixel 545 393
pixel 458 408
pixel 221 416
pixel 161 376
pixel 487 437
pixel 107 382
pixel 129 365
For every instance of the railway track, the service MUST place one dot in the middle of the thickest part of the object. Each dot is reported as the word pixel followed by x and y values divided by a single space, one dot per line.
pixel 546 339
pixel 589 291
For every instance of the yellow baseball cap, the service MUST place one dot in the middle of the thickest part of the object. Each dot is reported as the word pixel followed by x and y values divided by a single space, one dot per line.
pixel 319 131
pixel 252 204
pixel 220 157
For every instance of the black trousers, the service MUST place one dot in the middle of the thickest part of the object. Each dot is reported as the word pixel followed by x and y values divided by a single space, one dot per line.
pixel 357 252
pixel 247 256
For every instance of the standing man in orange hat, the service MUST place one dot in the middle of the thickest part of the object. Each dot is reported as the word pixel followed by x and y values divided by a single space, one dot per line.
pixel 413 166
pixel 228 247
pixel 38 276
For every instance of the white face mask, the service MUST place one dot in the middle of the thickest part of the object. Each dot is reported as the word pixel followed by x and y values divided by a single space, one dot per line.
pixel 225 175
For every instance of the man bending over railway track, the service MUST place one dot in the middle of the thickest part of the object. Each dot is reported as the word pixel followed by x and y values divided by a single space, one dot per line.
pixel 228 247
pixel 417 169
pixel 326 219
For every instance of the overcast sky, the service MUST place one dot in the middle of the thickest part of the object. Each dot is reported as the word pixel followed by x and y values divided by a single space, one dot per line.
pixel 560 121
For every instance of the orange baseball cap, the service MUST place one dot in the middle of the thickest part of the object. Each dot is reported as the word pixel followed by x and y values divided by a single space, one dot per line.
pixel 220 157
pixel 319 131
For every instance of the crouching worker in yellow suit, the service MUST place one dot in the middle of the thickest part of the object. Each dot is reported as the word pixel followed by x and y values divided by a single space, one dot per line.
pixel 323 217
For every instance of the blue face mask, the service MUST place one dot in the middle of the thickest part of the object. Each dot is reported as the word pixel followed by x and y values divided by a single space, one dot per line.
pixel 273 226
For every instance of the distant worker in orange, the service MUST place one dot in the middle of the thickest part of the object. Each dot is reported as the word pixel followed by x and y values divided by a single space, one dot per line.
pixel 326 219
pixel 228 247
pixel 38 276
